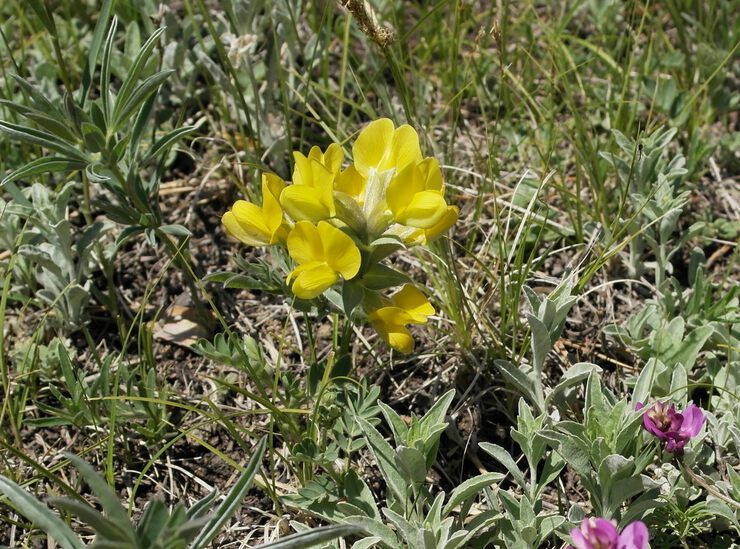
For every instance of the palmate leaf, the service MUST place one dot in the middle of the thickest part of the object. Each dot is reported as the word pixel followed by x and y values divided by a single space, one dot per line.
pixel 104 528
pixel 105 64
pixel 385 457
pixel 125 100
pixel 40 101
pixel 40 514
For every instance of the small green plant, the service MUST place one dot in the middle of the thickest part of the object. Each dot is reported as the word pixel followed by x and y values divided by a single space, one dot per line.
pixel 657 195
pixel 524 522
pixel 60 257
pixel 104 139
pixel 412 516
pixel 158 528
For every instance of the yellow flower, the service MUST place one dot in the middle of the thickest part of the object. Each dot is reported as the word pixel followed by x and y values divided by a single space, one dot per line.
pixel 323 253
pixel 310 196
pixel 255 225
pixel 407 306
pixel 415 195
pixel 381 147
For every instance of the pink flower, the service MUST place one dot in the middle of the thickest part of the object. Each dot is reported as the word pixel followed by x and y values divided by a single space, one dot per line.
pixel 672 427
pixel 600 533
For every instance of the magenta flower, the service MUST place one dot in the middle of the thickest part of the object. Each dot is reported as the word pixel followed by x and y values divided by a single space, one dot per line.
pixel 599 533
pixel 672 427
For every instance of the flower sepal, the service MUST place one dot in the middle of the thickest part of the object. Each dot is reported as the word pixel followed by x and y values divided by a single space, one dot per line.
pixel 350 213
pixel 382 277
pixel 382 247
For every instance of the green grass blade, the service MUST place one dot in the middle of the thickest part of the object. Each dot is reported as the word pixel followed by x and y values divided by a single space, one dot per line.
pixel 233 498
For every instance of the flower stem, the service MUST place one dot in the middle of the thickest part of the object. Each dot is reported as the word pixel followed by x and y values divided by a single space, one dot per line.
pixel 699 481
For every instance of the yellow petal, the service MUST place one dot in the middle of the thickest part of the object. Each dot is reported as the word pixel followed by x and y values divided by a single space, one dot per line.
pixel 395 335
pixel 312 280
pixel 424 210
pixel 274 183
pixel 333 158
pixel 316 154
pixel 404 149
pixel 304 243
pixel 247 234
pixel 431 174
pixel 391 315
pixel 414 303
pixel 372 144
pixel 272 213
pixel 340 250
pixel 443 225
pixel 400 339
pixel 250 220
pixel 305 202
pixel 320 173
pixel 302 172
pixel 402 188
pixel 350 182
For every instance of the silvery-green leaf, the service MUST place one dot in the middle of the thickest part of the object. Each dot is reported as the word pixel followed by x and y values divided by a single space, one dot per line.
pixel 396 422
pixel 385 457
pixel 411 463
pixel 40 514
pixel 615 468
pixel 375 528
pixel 313 537
pixel 503 457
pixel 406 529
pixel 573 376
pixel 518 378
pixel 469 489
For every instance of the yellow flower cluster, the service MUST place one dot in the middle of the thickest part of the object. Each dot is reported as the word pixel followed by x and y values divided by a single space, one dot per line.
pixel 340 223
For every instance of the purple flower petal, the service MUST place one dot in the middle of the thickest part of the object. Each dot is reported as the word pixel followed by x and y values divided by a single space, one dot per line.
pixel 651 427
pixel 579 542
pixel 693 419
pixel 634 536
pixel 675 418
pixel 596 533
pixel 600 533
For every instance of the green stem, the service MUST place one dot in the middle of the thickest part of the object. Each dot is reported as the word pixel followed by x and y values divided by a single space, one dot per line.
pixel 309 336
pixel 4 374
pixel 696 479
pixel 64 73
